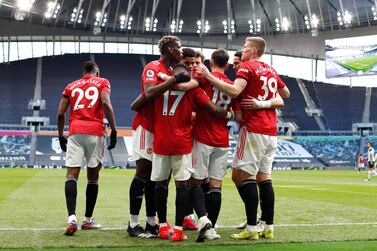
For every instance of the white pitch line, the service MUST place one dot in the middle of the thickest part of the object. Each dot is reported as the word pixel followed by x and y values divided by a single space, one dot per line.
pixel 279 225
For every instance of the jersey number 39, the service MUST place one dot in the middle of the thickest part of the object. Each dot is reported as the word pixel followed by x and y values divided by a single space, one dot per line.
pixel 269 85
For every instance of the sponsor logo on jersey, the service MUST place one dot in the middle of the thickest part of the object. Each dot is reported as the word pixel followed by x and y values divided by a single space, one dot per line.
pixel 244 70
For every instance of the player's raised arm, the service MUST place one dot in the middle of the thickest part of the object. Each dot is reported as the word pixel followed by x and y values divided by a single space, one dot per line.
pixel 231 90
pixel 253 103
pixel 284 92
pixel 186 86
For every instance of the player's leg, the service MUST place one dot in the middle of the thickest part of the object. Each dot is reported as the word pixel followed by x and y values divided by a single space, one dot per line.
pixel 245 168
pixel 161 169
pixel 70 197
pixel 205 189
pixel 182 170
pixel 91 197
pixel 370 170
pixel 267 204
pixel 266 190
pixel 94 154
pixel 142 154
pixel 151 226
pixel 74 158
pixel 216 172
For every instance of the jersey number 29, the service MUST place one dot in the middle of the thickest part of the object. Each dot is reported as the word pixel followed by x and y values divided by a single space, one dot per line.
pixel 91 94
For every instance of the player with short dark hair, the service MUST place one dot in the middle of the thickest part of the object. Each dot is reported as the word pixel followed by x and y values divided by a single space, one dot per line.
pixel 143 134
pixel 89 100
pixel 188 58
pixel 211 139
pixel 237 60
pixel 261 90
pixel 199 58
pixel 173 121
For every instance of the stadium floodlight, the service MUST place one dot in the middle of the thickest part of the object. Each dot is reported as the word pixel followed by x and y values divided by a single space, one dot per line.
pixel 232 23
pixel 50 9
pixel 285 24
pixel 199 24
pixel 277 24
pixel 155 21
pixel 251 26
pixel 122 22
pixel 347 17
pixel 314 21
pixel 225 24
pixel 180 26
pixel 147 23
pixel 259 25
pixel 25 5
pixel 206 27
pixel 374 13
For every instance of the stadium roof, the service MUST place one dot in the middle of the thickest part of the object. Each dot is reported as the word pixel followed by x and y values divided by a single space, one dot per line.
pixel 214 17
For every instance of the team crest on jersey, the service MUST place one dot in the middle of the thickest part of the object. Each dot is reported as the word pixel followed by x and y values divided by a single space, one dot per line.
pixel 149 150
pixel 150 73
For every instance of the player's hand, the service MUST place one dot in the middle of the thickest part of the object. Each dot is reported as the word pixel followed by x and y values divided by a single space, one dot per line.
pixel 113 140
pixel 63 143
pixel 202 70
pixel 253 103
pixel 182 77
pixel 162 76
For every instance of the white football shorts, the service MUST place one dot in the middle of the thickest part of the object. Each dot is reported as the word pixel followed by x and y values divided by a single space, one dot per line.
pixel 86 147
pixel 209 161
pixel 142 141
pixel 255 152
pixel 179 165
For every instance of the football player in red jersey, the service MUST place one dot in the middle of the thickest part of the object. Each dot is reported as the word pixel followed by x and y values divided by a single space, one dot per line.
pixel 89 100
pixel 237 60
pixel 262 90
pixel 172 153
pixel 211 140
pixel 143 133
pixel 199 58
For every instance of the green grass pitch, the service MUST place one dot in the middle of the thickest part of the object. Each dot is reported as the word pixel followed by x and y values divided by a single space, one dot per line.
pixel 364 63
pixel 327 210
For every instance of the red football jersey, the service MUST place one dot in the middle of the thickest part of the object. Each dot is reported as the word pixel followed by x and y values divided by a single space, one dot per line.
pixel 262 83
pixel 208 129
pixel 144 116
pixel 173 128
pixel 86 111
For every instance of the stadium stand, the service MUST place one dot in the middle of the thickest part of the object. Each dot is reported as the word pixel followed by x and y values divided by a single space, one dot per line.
pixel 17 80
pixel 373 106
pixel 350 100
pixel 294 109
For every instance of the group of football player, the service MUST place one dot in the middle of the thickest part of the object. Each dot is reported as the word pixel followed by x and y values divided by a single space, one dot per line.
pixel 180 131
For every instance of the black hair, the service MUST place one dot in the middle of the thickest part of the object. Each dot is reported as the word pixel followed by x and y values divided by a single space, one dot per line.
pixel 238 54
pixel 90 66
pixel 187 52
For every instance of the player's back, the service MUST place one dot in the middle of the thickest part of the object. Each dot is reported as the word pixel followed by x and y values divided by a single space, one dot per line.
pixel 86 110
pixel 262 83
